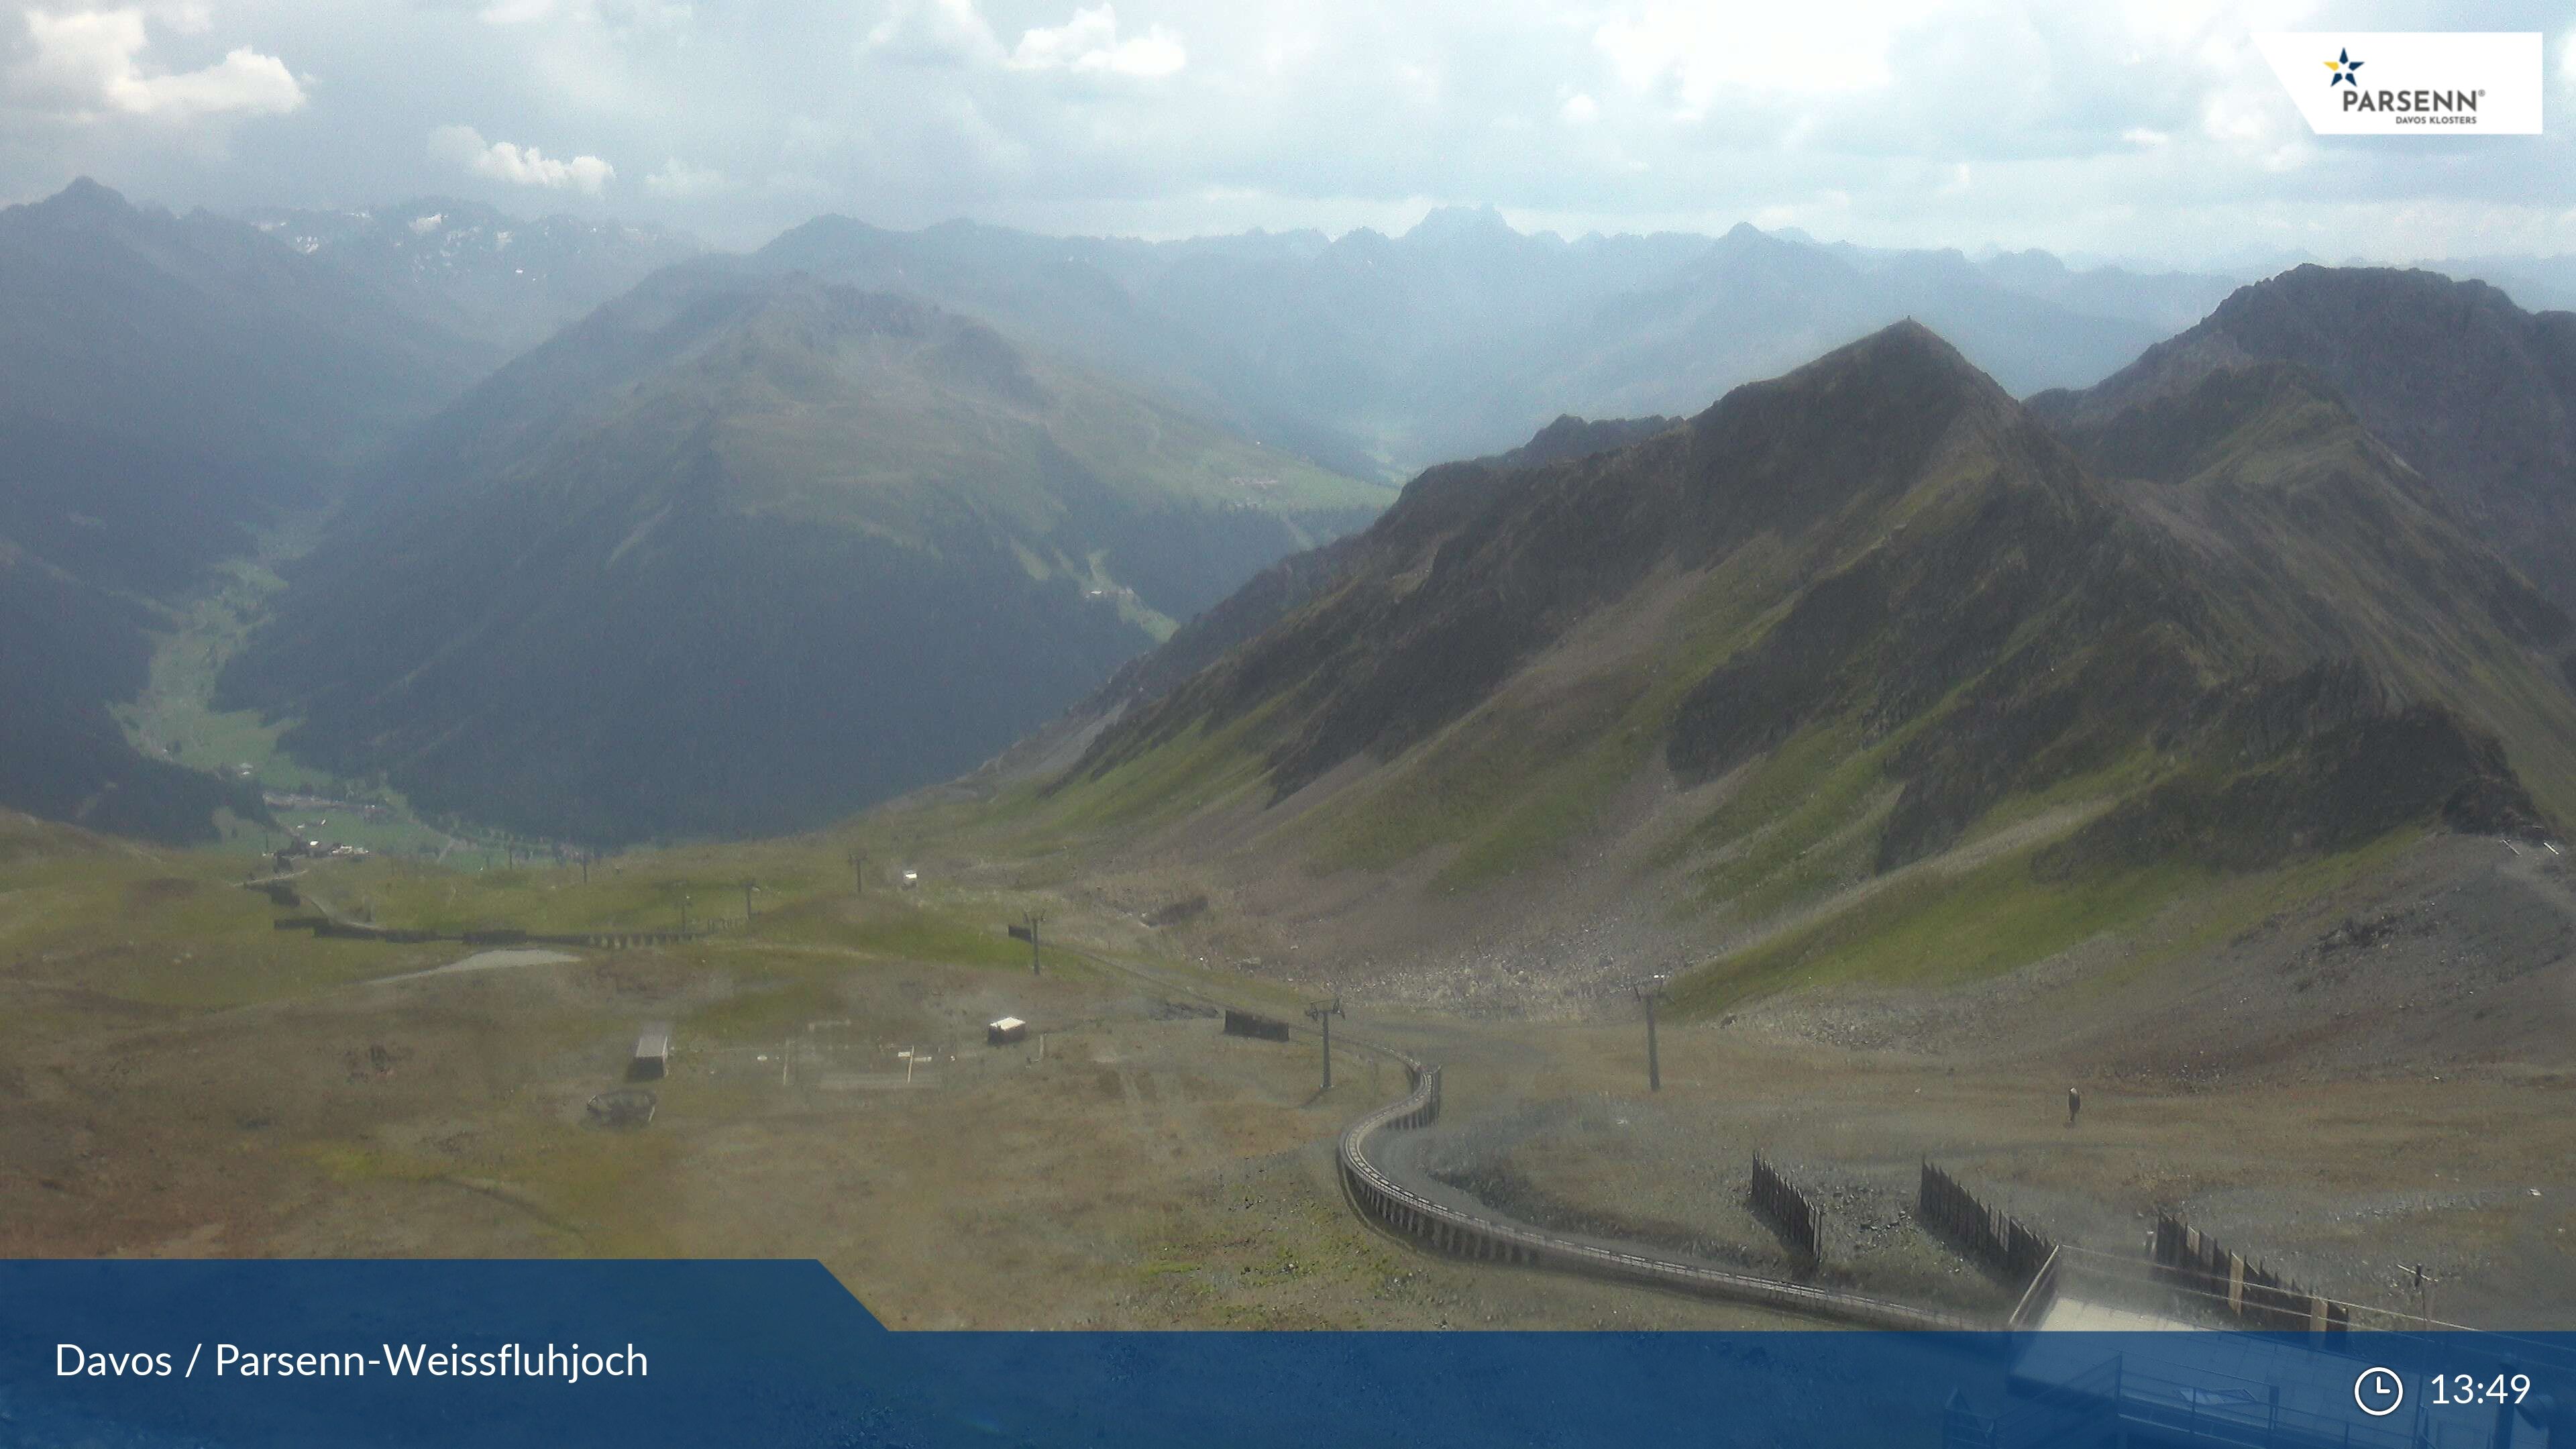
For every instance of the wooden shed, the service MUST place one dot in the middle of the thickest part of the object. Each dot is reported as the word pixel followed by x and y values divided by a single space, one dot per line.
pixel 1006 1031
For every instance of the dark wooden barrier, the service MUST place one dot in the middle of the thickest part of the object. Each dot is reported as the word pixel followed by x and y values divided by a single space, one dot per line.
pixel 1989 1235
pixel 1801 1223
pixel 1445 1229
pixel 1244 1023
pixel 2225 1280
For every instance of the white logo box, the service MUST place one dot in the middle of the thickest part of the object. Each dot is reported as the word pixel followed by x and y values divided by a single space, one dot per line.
pixel 2428 83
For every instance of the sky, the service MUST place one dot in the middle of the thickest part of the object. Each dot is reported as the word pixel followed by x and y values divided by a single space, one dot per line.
pixel 2144 131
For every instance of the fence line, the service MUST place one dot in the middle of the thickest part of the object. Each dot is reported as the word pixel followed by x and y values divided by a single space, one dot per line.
pixel 1800 1221
pixel 1411 1215
pixel 2198 1265
pixel 1252 1024
pixel 1990 1235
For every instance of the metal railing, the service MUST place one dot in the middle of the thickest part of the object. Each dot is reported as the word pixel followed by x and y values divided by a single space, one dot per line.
pixel 1411 1215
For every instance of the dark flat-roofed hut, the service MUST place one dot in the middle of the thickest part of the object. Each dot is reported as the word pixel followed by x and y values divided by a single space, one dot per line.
pixel 652 1053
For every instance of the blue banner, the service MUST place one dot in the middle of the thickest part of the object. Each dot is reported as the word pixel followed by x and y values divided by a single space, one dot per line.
pixel 214 1354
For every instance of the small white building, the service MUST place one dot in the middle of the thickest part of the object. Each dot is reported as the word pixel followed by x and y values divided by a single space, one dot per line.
pixel 1006 1031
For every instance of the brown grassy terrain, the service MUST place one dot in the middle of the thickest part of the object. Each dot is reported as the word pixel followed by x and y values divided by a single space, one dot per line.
pixel 2377 1078
pixel 183 1080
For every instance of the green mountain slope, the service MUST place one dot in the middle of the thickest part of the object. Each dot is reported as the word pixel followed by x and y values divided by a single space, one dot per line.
pixel 743 553
pixel 1850 653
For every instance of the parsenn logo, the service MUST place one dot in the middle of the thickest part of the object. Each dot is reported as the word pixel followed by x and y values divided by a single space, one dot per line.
pixel 2438 107
pixel 2455 84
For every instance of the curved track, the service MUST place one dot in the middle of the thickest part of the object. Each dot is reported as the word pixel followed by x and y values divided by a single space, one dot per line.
pixel 1382 1200
pixel 1411 1215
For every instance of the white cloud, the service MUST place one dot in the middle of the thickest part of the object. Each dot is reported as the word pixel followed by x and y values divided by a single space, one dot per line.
pixel 520 166
pixel 612 15
pixel 1418 83
pixel 677 180
pixel 515 12
pixel 934 32
pixel 91 62
pixel 2138 126
pixel 1089 43
pixel 188 17
pixel 1703 51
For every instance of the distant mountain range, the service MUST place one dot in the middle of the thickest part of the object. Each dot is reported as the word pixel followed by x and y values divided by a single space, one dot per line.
pixel 742 552
pixel 1368 351
pixel 739 543
pixel 502 283
pixel 1740 683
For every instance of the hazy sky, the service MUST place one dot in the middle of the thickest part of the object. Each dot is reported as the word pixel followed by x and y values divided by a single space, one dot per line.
pixel 2145 129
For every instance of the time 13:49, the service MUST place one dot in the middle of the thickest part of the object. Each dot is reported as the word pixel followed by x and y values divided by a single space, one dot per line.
pixel 2470 1389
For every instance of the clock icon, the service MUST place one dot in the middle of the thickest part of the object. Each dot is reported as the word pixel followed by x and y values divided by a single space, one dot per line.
pixel 2378 1392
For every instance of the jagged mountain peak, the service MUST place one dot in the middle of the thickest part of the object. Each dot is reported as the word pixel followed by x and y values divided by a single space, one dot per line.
pixel 1905 348
pixel 87 193
pixel 87 207
pixel 2338 299
pixel 2475 394
pixel 1868 616
pixel 1444 225
pixel 1865 417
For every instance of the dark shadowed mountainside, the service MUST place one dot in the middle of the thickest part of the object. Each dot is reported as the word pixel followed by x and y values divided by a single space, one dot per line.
pixel 166 384
pixel 1570 437
pixel 2472 391
pixel 1856 659
pixel 1270 596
